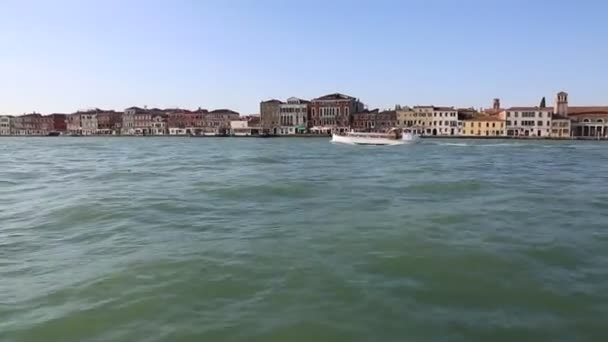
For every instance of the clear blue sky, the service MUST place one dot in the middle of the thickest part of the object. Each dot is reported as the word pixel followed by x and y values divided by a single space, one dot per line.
pixel 63 55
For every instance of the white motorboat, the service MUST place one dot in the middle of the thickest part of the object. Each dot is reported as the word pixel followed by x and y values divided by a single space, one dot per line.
pixel 392 137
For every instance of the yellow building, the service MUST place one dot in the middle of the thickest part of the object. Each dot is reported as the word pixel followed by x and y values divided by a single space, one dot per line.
pixel 414 119
pixel 483 126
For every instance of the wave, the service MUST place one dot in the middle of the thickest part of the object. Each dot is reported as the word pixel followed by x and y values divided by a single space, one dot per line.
pixel 502 145
pixel 452 144
pixel 264 191
pixel 446 187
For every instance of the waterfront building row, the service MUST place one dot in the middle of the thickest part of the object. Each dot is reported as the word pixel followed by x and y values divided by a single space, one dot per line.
pixel 325 115
pixel 335 113
pixel 133 121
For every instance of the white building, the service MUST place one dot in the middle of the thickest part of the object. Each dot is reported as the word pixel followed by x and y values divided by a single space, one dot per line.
pixel 159 125
pixel 293 116
pixel 438 120
pixel 82 123
pixel 241 128
pixel 88 122
pixel 128 120
pixel 177 131
pixel 6 125
pixel 528 121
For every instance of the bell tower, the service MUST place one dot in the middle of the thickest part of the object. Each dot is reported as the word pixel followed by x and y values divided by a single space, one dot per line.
pixel 496 105
pixel 561 104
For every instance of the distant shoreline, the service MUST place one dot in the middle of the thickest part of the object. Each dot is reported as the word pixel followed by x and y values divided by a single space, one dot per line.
pixel 295 136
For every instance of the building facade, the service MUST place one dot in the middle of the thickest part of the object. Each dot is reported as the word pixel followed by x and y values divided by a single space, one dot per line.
pixel 217 122
pixel 270 115
pixel 364 121
pixel 109 122
pixel 528 121
pixel 408 118
pixel 445 121
pixel 242 128
pixel 293 117
pixel 128 120
pixel 58 123
pixel 588 122
pixel 88 122
pixel 185 122
pixel 560 127
pixel 333 113
pixel 159 124
pixel 386 120
pixel 483 126
pixel 32 124
pixel 419 118
pixel 82 123
pixel 142 122
pixel 374 120
pixel 6 125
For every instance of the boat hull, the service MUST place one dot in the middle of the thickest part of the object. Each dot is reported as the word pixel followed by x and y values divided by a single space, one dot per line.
pixel 349 140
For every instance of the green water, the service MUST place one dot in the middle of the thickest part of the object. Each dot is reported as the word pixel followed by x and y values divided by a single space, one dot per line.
pixel 161 239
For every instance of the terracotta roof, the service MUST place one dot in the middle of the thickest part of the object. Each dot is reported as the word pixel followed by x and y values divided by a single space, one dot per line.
pixel 367 111
pixel 585 110
pixel 223 111
pixel 493 111
pixel 334 96
pixel 302 101
pixel 273 101
pixel 444 108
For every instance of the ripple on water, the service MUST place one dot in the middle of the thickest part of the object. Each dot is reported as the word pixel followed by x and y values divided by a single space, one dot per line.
pixel 173 239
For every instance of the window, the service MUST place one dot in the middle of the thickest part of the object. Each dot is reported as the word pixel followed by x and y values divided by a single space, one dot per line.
pixel 508 123
pixel 540 114
pixel 515 123
pixel 493 124
pixel 479 124
pixel 516 114
pixel 540 123
pixel 548 123
pixel 346 111
pixel 487 124
pixel 508 114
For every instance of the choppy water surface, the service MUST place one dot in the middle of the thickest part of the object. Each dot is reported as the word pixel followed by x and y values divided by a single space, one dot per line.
pixel 118 239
